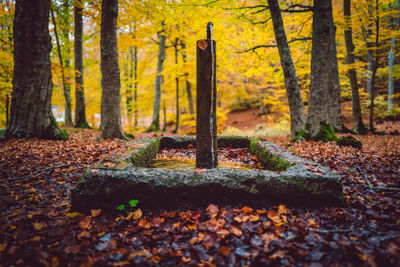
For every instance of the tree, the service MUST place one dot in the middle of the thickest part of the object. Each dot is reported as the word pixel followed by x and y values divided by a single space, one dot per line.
pixel 291 82
pixel 175 45
pixel 80 113
pixel 31 114
pixel 391 60
pixel 359 126
pixel 155 124
pixel 324 98
pixel 110 75
pixel 66 88
pixel 188 84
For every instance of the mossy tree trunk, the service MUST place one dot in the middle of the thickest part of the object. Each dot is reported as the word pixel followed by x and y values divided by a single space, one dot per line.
pixel 31 114
pixel 324 98
pixel 291 81
pixel 110 76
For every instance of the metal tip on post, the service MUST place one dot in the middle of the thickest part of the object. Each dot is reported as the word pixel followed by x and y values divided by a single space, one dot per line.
pixel 210 30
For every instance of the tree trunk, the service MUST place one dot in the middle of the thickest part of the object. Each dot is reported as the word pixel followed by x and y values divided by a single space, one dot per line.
pixel 291 81
pixel 188 84
pixel 370 44
pixel 31 114
pixel 135 92
pixel 129 103
pixel 80 114
pixel 391 61
pixel 66 17
pixel 334 108
pixel 375 64
pixel 155 124
pixel 177 87
pixel 67 92
pixel 359 126
pixel 320 59
pixel 110 76
pixel 165 117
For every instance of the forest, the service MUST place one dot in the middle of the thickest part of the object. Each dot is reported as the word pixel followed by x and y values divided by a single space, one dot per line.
pixel 291 158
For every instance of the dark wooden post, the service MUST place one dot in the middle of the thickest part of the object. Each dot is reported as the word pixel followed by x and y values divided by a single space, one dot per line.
pixel 206 99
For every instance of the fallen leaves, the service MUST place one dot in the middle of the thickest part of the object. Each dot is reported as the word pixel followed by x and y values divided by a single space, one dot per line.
pixel 37 219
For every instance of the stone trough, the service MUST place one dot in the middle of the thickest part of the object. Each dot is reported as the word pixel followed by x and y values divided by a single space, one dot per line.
pixel 124 176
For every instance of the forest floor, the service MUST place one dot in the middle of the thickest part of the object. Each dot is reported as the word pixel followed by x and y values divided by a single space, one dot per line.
pixel 38 227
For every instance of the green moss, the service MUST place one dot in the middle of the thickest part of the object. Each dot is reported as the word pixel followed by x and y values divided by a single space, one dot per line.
pixel 143 156
pixel 349 141
pixel 269 160
pixel 326 133
pixel 233 141
pixel 129 135
pixel 2 131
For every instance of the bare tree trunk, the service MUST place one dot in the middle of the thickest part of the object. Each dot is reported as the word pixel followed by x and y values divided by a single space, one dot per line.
pixel 80 113
pixel 155 124
pixel 374 69
pixel 129 103
pixel 359 126
pixel 65 31
pixel 31 114
pixel 188 84
pixel 165 117
pixel 391 61
pixel 334 108
pixel 135 92
pixel 110 75
pixel 67 92
pixel 177 87
pixel 291 81
pixel 320 57
pixel 7 109
pixel 370 44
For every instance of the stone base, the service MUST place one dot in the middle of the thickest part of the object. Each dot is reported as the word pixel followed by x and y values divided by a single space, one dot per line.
pixel 124 176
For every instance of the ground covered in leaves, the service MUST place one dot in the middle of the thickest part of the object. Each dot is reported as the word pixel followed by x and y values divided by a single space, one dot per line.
pixel 37 226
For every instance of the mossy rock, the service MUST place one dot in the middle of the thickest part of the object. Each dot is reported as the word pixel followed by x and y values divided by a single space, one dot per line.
pixel 326 133
pixel 286 179
pixel 349 141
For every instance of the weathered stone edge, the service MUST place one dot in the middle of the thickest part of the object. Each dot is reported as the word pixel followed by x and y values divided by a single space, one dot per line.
pixel 157 188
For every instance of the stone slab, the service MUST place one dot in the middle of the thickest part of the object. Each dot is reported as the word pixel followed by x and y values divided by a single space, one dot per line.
pixel 289 179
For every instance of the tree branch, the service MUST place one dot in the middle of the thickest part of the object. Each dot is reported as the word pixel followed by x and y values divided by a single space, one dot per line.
pixel 292 9
pixel 274 45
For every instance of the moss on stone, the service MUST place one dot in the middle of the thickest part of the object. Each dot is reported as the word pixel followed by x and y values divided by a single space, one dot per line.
pixel 142 156
pixel 326 133
pixel 233 141
pixel 269 160
pixel 349 141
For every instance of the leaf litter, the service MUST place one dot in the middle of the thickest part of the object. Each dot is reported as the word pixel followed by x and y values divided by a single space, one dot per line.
pixel 38 227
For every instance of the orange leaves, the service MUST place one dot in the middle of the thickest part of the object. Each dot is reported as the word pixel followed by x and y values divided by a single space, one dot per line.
pixel 196 239
pixel 311 223
pixel 39 226
pixel 236 231
pixel 83 234
pixel 212 210
pixel 95 213
pixel 85 223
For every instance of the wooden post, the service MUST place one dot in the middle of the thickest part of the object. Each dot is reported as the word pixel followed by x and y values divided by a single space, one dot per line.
pixel 206 99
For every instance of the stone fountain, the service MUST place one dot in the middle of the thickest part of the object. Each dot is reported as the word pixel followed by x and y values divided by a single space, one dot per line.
pixel 126 175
